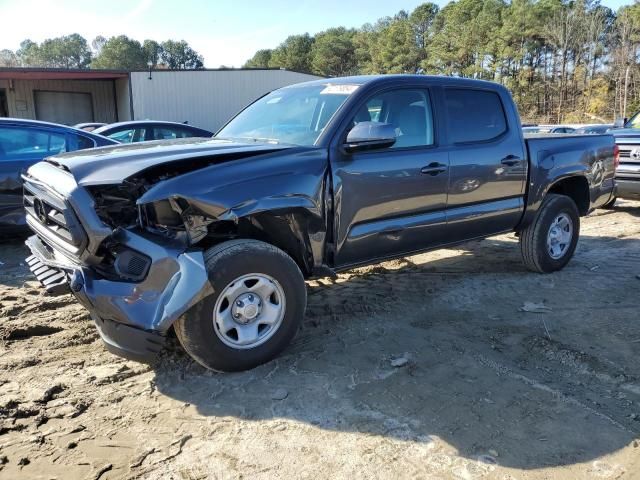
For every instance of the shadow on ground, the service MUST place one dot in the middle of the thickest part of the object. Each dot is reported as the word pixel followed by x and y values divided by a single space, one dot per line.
pixel 413 351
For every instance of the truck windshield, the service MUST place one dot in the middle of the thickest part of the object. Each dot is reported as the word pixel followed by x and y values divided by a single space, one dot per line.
pixel 294 115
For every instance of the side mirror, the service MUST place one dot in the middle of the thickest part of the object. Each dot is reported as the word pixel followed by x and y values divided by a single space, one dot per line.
pixel 619 122
pixel 370 135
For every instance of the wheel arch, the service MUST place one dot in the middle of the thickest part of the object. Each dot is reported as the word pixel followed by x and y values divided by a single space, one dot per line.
pixel 296 232
pixel 575 187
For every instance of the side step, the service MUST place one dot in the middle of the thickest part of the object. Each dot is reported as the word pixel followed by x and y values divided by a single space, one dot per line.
pixel 54 280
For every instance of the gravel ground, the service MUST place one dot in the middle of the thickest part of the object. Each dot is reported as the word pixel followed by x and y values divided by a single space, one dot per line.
pixel 425 367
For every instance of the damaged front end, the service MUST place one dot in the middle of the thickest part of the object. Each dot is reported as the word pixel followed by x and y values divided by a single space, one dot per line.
pixel 134 283
pixel 132 252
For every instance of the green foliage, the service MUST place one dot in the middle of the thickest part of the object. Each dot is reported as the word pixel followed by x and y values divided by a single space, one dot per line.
pixel 395 49
pixel 121 52
pixel 333 53
pixel 261 59
pixel 8 59
pixel 179 55
pixel 293 54
pixel 70 51
pixel 152 51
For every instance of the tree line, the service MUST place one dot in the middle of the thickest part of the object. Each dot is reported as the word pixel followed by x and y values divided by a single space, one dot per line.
pixel 563 60
pixel 121 52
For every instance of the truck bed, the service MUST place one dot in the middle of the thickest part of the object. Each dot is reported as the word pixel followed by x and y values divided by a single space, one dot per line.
pixel 554 155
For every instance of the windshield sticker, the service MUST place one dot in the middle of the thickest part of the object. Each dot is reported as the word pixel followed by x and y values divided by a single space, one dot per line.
pixel 340 89
pixel 274 100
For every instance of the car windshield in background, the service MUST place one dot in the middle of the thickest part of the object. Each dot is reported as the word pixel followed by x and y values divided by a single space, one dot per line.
pixel 634 122
pixel 294 115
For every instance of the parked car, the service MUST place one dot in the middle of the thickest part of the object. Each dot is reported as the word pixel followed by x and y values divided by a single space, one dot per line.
pixel 548 129
pixel 144 130
pixel 628 170
pixel 90 126
pixel 23 143
pixel 597 129
pixel 215 237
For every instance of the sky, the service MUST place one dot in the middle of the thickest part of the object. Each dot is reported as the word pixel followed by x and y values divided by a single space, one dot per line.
pixel 225 32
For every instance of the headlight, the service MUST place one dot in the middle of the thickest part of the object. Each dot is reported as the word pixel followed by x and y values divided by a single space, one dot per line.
pixel 171 218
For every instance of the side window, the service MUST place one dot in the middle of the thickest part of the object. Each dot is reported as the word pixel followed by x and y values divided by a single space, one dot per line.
pixel 130 135
pixel 79 142
pixel 166 133
pixel 29 143
pixel 184 133
pixel 409 111
pixel 474 115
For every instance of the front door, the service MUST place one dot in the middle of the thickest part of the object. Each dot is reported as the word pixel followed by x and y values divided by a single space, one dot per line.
pixel 393 200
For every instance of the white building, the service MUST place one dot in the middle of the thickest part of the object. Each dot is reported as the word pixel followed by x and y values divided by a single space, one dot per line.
pixel 203 98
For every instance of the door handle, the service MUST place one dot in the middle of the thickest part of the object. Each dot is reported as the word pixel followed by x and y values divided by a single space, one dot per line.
pixel 434 169
pixel 511 160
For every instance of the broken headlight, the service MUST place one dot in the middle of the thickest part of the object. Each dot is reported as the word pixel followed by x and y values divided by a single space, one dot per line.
pixel 174 218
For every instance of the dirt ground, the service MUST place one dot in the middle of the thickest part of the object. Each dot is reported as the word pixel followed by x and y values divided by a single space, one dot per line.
pixel 419 368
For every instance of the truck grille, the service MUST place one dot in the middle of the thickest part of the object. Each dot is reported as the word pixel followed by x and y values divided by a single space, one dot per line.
pixel 52 218
pixel 627 153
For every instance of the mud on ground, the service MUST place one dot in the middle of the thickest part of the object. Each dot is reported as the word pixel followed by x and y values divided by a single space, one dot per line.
pixel 419 368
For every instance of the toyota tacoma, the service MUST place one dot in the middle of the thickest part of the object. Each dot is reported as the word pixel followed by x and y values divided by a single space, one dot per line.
pixel 214 238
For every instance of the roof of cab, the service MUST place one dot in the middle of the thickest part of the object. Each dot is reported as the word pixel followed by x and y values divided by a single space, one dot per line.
pixel 394 78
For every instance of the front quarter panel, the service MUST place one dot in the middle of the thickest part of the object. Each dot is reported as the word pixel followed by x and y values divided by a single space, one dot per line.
pixel 290 181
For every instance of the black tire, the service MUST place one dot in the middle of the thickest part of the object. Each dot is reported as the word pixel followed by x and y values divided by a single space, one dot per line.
pixel 533 239
pixel 225 263
pixel 610 204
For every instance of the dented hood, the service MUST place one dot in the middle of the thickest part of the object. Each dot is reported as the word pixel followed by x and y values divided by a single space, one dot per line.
pixel 114 164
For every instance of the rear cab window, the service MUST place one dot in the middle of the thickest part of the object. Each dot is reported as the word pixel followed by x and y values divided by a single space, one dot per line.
pixel 474 115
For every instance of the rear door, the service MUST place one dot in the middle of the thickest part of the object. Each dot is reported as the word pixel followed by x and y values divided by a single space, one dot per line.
pixel 391 201
pixel 488 167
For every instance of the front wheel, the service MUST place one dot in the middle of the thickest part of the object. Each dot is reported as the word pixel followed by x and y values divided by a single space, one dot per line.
pixel 549 242
pixel 256 309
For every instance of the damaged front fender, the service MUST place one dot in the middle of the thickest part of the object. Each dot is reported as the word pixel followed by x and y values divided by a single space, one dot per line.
pixel 288 188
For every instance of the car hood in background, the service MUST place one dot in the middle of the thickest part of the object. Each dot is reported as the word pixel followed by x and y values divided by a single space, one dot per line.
pixel 625 132
pixel 113 164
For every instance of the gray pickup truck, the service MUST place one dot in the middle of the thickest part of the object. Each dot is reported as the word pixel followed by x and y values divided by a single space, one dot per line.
pixel 215 237
pixel 628 170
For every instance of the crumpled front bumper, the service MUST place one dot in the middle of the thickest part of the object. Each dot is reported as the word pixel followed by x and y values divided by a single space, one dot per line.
pixel 134 317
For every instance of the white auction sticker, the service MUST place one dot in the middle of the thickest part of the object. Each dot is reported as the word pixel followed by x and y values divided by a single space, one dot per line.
pixel 339 89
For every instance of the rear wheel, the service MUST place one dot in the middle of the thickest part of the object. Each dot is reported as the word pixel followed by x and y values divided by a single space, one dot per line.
pixel 549 242
pixel 257 306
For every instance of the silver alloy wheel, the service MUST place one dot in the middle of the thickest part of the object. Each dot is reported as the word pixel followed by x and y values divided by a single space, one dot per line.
pixel 249 311
pixel 559 236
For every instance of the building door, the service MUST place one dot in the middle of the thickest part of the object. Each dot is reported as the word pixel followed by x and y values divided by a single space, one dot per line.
pixel 67 108
pixel 4 106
